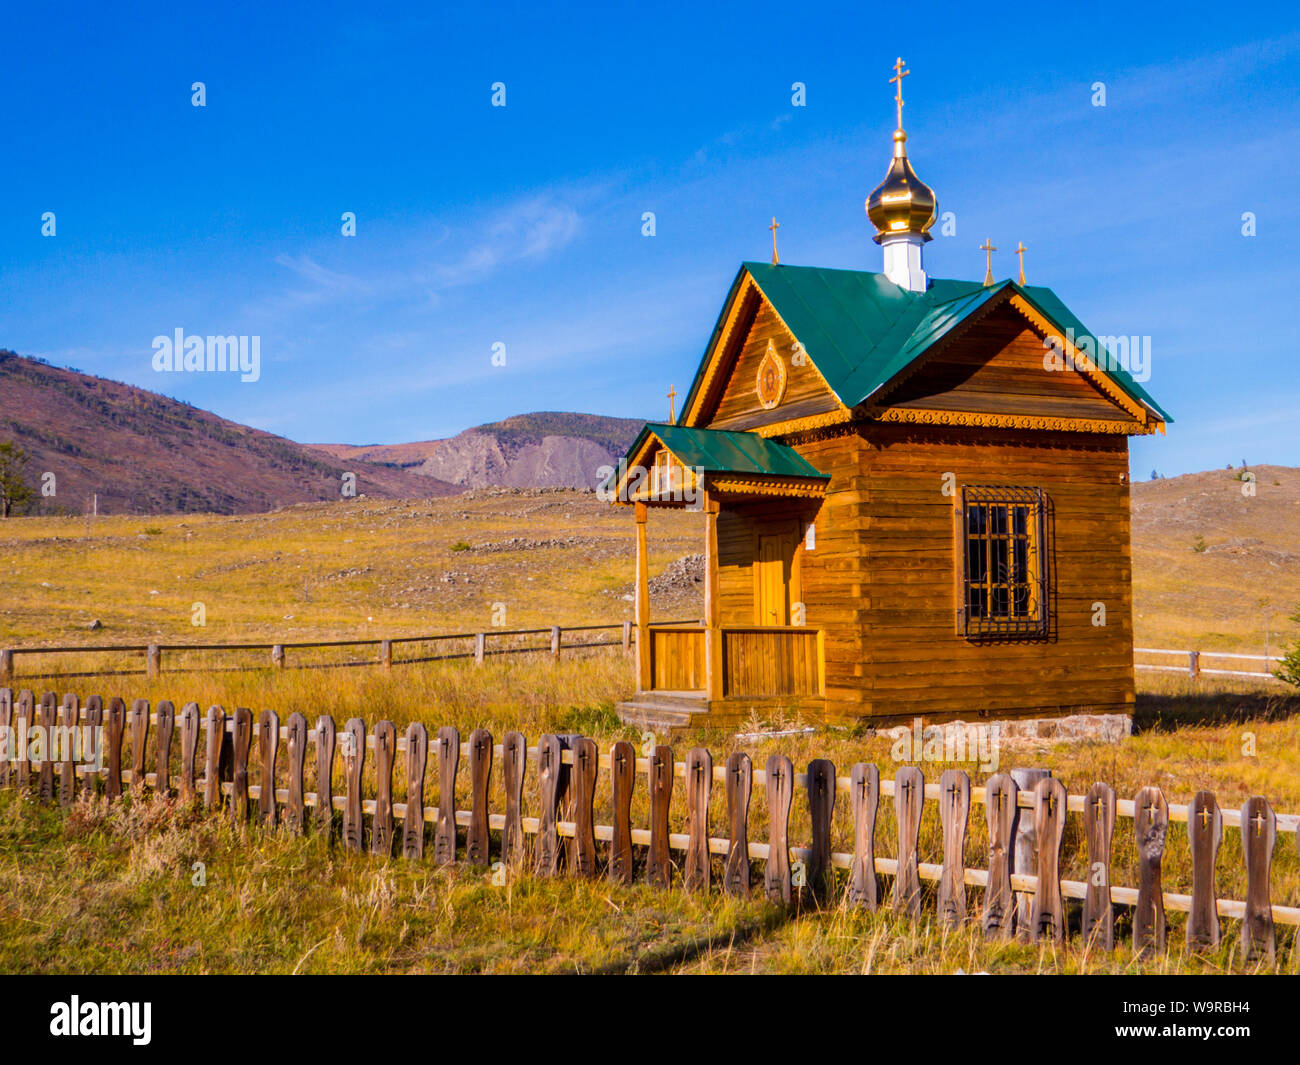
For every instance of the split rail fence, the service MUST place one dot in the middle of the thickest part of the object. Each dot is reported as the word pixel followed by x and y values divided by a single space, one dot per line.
pixel 1194 668
pixel 1023 890
pixel 476 645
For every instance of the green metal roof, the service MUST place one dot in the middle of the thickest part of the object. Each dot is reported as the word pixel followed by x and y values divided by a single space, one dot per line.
pixel 861 330
pixel 726 451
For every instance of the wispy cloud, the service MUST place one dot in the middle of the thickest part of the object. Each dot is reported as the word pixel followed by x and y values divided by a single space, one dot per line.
pixel 527 230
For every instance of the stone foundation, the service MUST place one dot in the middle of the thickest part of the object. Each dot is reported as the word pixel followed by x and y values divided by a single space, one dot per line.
pixel 1108 728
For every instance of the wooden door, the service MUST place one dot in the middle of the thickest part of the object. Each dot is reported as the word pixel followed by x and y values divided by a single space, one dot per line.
pixel 773 571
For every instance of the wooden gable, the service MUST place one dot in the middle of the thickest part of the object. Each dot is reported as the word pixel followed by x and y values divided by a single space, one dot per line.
pixel 755 342
pixel 992 371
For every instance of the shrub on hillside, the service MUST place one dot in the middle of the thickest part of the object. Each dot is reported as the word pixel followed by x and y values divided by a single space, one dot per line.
pixel 1289 668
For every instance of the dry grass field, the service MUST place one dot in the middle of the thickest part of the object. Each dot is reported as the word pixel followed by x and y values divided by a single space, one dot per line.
pixel 111 890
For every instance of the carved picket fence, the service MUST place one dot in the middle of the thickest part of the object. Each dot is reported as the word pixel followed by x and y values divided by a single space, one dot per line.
pixel 216 752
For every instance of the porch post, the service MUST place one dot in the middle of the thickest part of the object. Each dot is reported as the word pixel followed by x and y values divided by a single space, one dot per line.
pixel 712 610
pixel 643 675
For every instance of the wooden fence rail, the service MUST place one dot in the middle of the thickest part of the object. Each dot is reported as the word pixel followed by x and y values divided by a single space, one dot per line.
pixel 1194 668
pixel 566 834
pixel 278 659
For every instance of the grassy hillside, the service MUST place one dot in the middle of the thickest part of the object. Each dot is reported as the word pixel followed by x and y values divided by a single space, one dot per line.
pixel 1215 567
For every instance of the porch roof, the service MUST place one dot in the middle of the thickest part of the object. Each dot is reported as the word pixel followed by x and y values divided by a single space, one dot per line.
pixel 725 451
pixel 735 463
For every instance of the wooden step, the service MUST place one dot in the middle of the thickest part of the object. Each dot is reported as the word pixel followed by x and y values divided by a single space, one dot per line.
pixel 663 710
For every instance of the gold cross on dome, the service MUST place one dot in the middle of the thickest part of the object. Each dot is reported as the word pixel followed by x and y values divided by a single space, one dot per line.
pixel 1204 815
pixel 988 249
pixel 897 79
pixel 672 414
pixel 774 227
pixel 1020 251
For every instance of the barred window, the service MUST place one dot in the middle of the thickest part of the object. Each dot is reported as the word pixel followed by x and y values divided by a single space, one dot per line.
pixel 1004 542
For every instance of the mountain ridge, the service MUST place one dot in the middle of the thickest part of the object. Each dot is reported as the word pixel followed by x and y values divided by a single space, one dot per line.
pixel 124 449
pixel 544 449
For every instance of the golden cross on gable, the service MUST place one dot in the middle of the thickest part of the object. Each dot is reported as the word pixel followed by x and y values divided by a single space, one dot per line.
pixel 897 79
pixel 774 227
pixel 1020 250
pixel 672 395
pixel 988 249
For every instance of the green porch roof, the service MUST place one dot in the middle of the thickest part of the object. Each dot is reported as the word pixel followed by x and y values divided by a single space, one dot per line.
pixel 861 330
pixel 726 451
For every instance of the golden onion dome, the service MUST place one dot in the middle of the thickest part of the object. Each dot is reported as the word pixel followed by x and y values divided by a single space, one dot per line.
pixel 902 203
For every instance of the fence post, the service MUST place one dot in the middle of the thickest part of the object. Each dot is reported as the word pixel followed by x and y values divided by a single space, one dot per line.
pixel 555 642
pixel 277 656
pixel 381 832
pixel 699 785
pixel 779 777
pixel 386 654
pixel 297 809
pixel 627 637
pixel 548 784
pixel 1193 664
pixel 477 840
pixel 658 864
pixel 153 660
pixel 622 772
pixel 325 742
pixel 354 763
pixel 212 762
pixel 865 798
pixel 1024 855
pixel 1150 827
pixel 139 718
pixel 1000 797
pixel 444 834
pixel 243 741
pixel 909 805
pixel 417 755
pixel 268 748
pixel 7 665
pixel 480 648
pixel 586 764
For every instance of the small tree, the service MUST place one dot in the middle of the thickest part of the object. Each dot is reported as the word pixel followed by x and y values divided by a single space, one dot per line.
pixel 14 490
pixel 1289 668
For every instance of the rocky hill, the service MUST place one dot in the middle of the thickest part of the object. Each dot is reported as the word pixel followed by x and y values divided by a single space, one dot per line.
pixel 549 449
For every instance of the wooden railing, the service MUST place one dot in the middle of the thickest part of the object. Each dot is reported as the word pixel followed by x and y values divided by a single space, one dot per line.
pixel 766 660
pixel 476 645
pixel 1194 668
pixel 758 660
pixel 1023 890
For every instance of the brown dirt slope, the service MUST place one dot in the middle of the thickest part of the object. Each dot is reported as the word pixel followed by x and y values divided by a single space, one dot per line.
pixel 143 453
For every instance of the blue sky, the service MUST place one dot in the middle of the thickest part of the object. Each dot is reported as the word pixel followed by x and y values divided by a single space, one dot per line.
pixel 522 225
